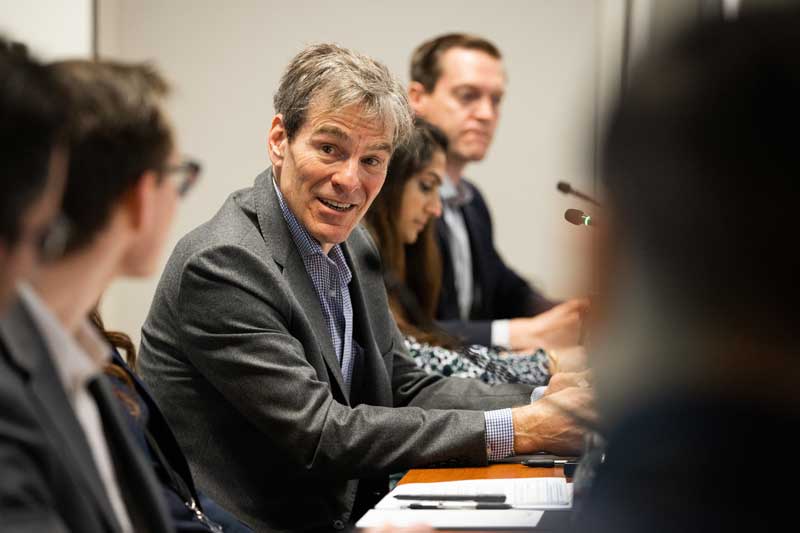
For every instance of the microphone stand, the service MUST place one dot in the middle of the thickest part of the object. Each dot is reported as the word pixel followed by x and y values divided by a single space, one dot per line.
pixel 566 188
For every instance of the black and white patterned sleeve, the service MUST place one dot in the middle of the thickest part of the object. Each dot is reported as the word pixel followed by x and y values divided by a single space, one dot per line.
pixel 480 362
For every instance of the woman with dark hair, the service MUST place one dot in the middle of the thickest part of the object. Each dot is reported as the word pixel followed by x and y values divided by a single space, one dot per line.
pixel 401 220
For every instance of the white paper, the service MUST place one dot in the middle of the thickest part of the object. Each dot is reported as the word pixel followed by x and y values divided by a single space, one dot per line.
pixel 526 493
pixel 529 496
pixel 450 519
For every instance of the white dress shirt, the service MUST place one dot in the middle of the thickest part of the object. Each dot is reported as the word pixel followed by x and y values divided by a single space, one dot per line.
pixel 78 359
pixel 453 198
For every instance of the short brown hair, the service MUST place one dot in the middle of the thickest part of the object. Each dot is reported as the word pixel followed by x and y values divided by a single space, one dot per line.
pixel 117 132
pixel 340 77
pixel 426 67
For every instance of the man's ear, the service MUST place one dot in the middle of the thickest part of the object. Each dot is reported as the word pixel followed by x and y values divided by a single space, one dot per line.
pixel 417 97
pixel 139 203
pixel 277 142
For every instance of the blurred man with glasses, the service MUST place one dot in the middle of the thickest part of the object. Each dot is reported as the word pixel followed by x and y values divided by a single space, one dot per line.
pixel 72 439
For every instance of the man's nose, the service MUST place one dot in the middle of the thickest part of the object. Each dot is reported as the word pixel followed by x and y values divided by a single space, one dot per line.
pixel 345 178
pixel 485 109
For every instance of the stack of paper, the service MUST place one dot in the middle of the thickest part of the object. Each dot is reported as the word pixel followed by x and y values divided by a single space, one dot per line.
pixel 527 496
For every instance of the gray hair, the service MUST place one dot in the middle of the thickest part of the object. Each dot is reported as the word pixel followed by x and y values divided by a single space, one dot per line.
pixel 341 77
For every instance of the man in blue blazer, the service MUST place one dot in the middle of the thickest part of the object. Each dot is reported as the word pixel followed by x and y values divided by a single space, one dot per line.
pixel 458 84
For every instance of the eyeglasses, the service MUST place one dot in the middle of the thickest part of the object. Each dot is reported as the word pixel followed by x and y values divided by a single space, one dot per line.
pixel 186 174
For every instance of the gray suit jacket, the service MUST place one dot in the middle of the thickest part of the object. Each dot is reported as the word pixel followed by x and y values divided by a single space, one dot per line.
pixel 238 355
pixel 48 478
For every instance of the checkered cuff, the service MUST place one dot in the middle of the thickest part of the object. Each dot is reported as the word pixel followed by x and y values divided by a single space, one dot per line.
pixel 499 434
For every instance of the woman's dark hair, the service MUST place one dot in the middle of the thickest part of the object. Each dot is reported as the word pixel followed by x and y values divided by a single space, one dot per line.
pixel 119 341
pixel 416 267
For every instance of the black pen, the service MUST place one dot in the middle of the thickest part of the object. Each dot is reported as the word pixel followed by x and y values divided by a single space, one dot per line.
pixel 445 506
pixel 547 463
pixel 483 498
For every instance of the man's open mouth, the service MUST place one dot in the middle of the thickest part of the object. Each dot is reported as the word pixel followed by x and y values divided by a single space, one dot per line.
pixel 336 205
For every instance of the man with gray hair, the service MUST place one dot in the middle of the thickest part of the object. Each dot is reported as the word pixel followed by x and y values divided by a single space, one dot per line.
pixel 270 344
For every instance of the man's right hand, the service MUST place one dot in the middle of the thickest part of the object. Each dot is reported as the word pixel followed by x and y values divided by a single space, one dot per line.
pixel 557 328
pixel 545 425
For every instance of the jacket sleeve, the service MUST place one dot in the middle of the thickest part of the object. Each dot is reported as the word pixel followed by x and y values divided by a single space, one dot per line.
pixel 240 325
pixel 26 503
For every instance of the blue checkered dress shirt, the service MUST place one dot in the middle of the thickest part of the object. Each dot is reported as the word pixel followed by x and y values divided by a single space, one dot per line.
pixel 330 276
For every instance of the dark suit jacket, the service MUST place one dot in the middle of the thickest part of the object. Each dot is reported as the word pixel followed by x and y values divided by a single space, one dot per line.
pixel 49 481
pixel 151 425
pixel 237 353
pixel 690 464
pixel 499 291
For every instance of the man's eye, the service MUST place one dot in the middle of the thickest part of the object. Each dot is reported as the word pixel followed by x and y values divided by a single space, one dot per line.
pixel 372 161
pixel 467 97
pixel 328 149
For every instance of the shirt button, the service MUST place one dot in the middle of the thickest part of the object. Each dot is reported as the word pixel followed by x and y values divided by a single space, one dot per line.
pixel 332 293
pixel 338 525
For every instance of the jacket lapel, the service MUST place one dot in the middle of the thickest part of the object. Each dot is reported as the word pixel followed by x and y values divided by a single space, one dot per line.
pixel 278 239
pixel 371 368
pixel 58 420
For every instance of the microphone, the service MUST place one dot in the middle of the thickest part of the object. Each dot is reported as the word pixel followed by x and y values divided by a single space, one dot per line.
pixel 579 218
pixel 566 188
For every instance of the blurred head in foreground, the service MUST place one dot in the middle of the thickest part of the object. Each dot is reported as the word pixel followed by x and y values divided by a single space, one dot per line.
pixel 702 172
pixel 33 158
pixel 697 364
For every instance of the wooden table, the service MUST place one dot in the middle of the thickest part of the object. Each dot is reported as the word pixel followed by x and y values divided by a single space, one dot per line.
pixel 495 471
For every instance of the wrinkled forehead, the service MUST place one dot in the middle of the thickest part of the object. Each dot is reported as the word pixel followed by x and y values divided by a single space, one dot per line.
pixel 326 114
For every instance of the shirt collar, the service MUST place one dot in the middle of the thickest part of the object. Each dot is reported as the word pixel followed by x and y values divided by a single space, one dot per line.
pixel 78 358
pixel 455 195
pixel 306 244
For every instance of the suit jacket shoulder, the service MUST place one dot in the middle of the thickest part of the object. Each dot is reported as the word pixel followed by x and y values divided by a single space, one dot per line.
pixel 64 487
pixel 49 479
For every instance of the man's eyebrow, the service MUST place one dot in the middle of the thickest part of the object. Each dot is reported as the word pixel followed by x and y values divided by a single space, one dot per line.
pixel 334 131
pixel 344 137
pixel 378 147
pixel 474 87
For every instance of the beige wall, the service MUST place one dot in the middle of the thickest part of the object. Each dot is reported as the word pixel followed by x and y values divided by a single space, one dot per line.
pixel 52 29
pixel 225 59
